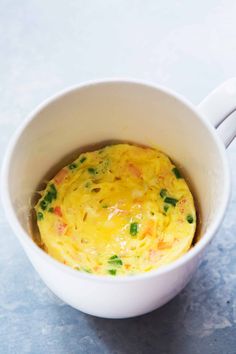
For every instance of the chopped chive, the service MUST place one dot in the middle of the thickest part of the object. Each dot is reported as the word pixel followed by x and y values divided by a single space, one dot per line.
pixel 48 197
pixel 166 207
pixel 82 159
pixel 133 229
pixel 53 191
pixel 112 271
pixel 39 215
pixel 43 204
pixel 115 260
pixel 189 218
pixel 92 170
pixel 171 201
pixel 87 184
pixel 163 193
pixel 51 210
pixel 152 213
pixel 72 166
pixel 176 173
pixel 104 206
pixel 114 257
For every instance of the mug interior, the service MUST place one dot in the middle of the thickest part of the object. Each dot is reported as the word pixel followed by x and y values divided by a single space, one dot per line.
pixel 116 111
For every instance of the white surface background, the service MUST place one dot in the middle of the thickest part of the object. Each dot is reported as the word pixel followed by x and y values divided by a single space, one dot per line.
pixel 189 46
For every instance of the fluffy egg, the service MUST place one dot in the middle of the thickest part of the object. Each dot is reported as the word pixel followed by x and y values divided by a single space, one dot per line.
pixel 119 210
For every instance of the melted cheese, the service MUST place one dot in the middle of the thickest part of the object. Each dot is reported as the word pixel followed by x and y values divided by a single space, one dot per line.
pixel 119 210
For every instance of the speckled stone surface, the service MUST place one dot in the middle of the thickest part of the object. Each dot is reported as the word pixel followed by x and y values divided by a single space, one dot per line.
pixel 189 46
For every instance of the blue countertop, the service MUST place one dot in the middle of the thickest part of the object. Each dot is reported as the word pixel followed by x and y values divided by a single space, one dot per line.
pixel 46 46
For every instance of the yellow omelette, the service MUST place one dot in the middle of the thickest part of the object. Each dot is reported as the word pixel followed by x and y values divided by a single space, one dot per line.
pixel 120 210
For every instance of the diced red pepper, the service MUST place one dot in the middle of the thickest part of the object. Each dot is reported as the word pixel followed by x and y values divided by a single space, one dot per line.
pixel 134 170
pixel 60 226
pixel 59 178
pixel 149 230
pixel 57 211
pixel 152 255
pixel 164 245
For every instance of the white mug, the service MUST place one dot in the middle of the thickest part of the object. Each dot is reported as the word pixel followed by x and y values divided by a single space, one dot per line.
pixel 123 110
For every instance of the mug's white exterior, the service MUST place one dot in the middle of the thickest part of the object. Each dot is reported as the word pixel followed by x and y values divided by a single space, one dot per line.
pixel 113 299
pixel 120 111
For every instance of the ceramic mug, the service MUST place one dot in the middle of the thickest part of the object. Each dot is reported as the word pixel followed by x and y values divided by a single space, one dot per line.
pixel 123 110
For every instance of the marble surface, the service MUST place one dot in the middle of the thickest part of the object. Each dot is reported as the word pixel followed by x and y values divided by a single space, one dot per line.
pixel 45 46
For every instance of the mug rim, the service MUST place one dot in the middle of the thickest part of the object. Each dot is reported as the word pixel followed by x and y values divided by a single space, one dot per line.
pixel 23 236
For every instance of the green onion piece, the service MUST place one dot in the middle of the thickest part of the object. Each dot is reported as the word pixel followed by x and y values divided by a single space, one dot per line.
pixel 53 191
pixel 87 184
pixel 133 229
pixel 72 166
pixel 48 197
pixel 82 159
pixel 163 193
pixel 51 210
pixel 114 257
pixel 115 260
pixel 152 213
pixel 112 271
pixel 166 207
pixel 189 218
pixel 92 170
pixel 171 201
pixel 39 215
pixel 43 204
pixel 105 206
pixel 176 173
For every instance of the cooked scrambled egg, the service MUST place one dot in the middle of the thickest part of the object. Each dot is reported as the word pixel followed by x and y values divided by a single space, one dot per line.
pixel 119 210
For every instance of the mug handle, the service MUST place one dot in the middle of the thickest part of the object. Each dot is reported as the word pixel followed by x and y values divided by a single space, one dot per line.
pixel 218 106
